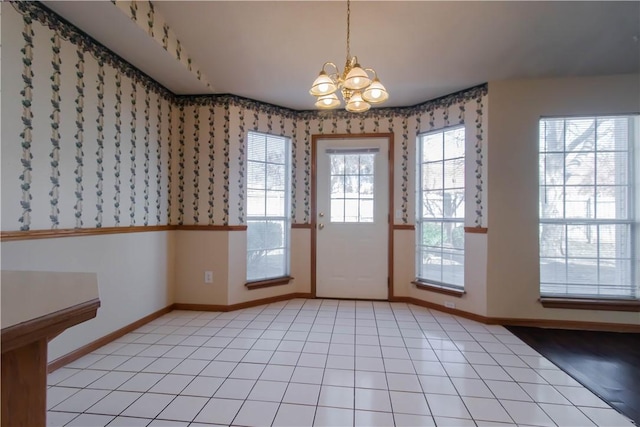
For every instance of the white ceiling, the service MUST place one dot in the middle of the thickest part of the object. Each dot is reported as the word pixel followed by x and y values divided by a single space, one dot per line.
pixel 272 50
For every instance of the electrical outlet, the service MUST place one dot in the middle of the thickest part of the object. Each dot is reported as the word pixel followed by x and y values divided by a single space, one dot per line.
pixel 449 304
pixel 208 277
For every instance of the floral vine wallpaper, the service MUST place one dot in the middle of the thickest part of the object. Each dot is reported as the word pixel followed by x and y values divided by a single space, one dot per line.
pixel 89 141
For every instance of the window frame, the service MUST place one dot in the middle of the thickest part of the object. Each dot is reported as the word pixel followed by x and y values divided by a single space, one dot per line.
pixel 453 289
pixel 280 279
pixel 597 301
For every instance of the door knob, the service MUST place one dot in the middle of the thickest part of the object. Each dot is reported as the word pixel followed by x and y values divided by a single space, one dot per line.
pixel 320 226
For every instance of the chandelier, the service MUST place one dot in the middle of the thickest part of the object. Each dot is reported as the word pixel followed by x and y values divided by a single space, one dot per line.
pixel 359 86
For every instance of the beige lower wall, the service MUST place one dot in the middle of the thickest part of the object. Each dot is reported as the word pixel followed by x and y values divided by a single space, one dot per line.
pixel 404 268
pixel 515 109
pixel 135 277
pixel 475 274
pixel 224 253
pixel 197 252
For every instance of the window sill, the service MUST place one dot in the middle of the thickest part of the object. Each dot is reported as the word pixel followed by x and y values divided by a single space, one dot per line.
pixel 591 304
pixel 269 282
pixel 438 288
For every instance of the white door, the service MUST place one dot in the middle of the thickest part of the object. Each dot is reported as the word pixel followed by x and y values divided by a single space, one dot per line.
pixel 352 208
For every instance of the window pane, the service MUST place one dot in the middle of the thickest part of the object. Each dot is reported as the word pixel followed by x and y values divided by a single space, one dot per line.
pixel 352 180
pixel 255 175
pixel 366 186
pixel 366 164
pixel 337 186
pixel 582 271
pixel 612 134
pixel 454 235
pixel 431 266
pixel 351 210
pixel 432 204
pixel 551 202
pixel 579 202
pixel 432 176
pixel 580 135
pixel 440 242
pixel 615 241
pixel 276 203
pixel 352 164
pixel 553 135
pixel 586 254
pixel 275 150
pixel 256 235
pixel 267 197
pixel 431 234
pixel 337 164
pixel 552 240
pixel 256 147
pixel 582 241
pixel 453 267
pixel 453 204
pixel 351 186
pixel 580 169
pixel 276 177
pixel 553 270
pixel 454 143
pixel 256 203
pixel 454 173
pixel 366 210
pixel 553 166
pixel 337 210
pixel 432 147
pixel 612 202
pixel 613 168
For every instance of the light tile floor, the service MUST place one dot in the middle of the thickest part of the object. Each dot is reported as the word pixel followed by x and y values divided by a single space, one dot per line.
pixel 323 363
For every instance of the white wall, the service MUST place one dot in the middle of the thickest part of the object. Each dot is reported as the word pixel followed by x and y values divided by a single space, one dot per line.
pixel 514 112
pixel 135 277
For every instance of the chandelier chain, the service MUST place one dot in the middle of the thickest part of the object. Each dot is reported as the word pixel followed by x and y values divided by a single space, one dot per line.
pixel 348 29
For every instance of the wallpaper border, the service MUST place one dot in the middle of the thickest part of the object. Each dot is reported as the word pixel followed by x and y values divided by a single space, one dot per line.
pixel 445 101
pixel 39 12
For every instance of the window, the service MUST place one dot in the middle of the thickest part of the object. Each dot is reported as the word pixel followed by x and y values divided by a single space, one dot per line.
pixel 587 226
pixel 352 184
pixel 440 208
pixel 268 217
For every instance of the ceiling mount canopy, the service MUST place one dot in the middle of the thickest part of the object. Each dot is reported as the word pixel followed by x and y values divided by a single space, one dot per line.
pixel 360 87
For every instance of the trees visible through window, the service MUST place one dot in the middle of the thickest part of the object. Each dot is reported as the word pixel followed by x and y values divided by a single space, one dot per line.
pixel 352 185
pixel 268 217
pixel 440 207
pixel 587 196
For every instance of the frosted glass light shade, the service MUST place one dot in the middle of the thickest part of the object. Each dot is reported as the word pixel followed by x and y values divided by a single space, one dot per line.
pixel 356 104
pixel 375 93
pixel 328 101
pixel 323 85
pixel 357 79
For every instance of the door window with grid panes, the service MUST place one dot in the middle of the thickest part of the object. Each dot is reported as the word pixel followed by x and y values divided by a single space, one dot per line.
pixel 352 184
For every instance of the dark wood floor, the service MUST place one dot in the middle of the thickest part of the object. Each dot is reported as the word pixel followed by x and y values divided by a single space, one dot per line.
pixel 607 363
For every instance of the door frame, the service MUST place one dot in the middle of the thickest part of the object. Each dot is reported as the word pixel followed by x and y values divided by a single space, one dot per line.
pixel 314 209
